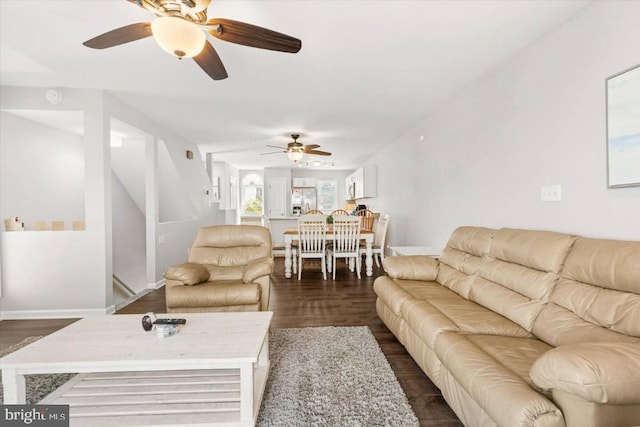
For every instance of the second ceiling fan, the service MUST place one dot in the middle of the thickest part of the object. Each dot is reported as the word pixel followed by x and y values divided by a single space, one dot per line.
pixel 180 28
pixel 296 150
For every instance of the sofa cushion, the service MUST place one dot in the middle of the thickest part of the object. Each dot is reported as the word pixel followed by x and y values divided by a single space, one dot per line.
pixel 189 273
pixel 233 273
pixel 494 371
pixel 412 277
pixel 462 257
pixel 430 318
pixel 597 297
pixel 517 276
pixel 471 240
pixel 426 321
pixel 230 245
pixel 394 293
pixel 214 294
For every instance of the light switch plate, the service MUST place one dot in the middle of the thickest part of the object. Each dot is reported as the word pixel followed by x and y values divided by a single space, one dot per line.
pixel 551 193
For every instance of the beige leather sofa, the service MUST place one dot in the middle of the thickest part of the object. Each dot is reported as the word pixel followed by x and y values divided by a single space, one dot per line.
pixel 523 328
pixel 228 269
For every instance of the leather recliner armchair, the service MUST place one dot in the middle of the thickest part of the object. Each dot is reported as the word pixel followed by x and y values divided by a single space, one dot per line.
pixel 228 269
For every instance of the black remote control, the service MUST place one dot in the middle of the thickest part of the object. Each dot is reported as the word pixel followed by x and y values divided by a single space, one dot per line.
pixel 170 321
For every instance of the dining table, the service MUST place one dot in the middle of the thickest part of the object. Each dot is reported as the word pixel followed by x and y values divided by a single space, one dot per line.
pixel 292 234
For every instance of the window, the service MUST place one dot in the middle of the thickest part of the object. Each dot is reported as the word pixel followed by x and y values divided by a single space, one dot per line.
pixel 252 195
pixel 327 195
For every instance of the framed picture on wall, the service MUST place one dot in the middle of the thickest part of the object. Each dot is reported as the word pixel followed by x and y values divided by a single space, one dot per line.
pixel 623 128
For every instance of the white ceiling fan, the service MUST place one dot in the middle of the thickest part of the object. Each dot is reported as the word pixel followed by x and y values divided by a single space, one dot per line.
pixel 296 150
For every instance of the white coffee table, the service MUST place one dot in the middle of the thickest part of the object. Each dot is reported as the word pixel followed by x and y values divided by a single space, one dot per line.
pixel 213 370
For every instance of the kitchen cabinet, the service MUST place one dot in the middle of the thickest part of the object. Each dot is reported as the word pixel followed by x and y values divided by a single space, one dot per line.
pixel 359 181
pixel 349 187
pixel 362 183
pixel 304 182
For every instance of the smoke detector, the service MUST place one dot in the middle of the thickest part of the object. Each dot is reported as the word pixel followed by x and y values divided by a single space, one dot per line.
pixel 53 96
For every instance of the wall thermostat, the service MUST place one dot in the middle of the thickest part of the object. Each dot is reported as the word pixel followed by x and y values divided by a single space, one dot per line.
pixel 53 96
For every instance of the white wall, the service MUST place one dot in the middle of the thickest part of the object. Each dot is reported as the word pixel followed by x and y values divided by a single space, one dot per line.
pixel 539 119
pixel 43 172
pixel 174 203
pixel 167 241
pixel 129 232
pixel 128 163
pixel 176 237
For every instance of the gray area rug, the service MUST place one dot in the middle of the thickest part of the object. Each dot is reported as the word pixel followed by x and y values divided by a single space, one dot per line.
pixel 327 376
pixel 331 376
pixel 38 386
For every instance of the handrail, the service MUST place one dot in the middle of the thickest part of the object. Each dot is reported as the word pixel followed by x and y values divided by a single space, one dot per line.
pixel 123 286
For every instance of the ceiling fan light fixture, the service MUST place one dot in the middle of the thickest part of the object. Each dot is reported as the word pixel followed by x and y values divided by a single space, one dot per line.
pixel 178 36
pixel 295 154
pixel 197 5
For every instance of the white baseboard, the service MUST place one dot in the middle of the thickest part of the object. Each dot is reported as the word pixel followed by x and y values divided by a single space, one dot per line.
pixel 131 299
pixel 157 285
pixel 76 313
pixel 53 314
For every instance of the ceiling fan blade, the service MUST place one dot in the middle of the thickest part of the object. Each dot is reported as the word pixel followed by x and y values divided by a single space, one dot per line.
pixel 311 146
pixel 275 146
pixel 274 152
pixel 317 152
pixel 253 36
pixel 126 34
pixel 210 62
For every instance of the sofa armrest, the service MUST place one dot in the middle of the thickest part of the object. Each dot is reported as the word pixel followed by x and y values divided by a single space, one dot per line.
pixel 257 268
pixel 411 267
pixel 607 373
pixel 188 273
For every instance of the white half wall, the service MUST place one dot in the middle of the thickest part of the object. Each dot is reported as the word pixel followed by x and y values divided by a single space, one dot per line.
pixel 63 273
pixel 539 119
pixel 47 274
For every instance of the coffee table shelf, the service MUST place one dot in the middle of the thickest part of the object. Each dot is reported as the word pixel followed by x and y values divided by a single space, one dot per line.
pixel 213 372
pixel 195 397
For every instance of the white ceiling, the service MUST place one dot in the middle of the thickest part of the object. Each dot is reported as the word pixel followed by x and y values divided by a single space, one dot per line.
pixel 368 70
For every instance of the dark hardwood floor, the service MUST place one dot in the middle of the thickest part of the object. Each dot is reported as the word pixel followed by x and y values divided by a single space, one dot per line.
pixel 311 301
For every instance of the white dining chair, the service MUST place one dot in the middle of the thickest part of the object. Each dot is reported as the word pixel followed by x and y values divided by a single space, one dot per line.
pixel 312 232
pixel 379 239
pixel 345 242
